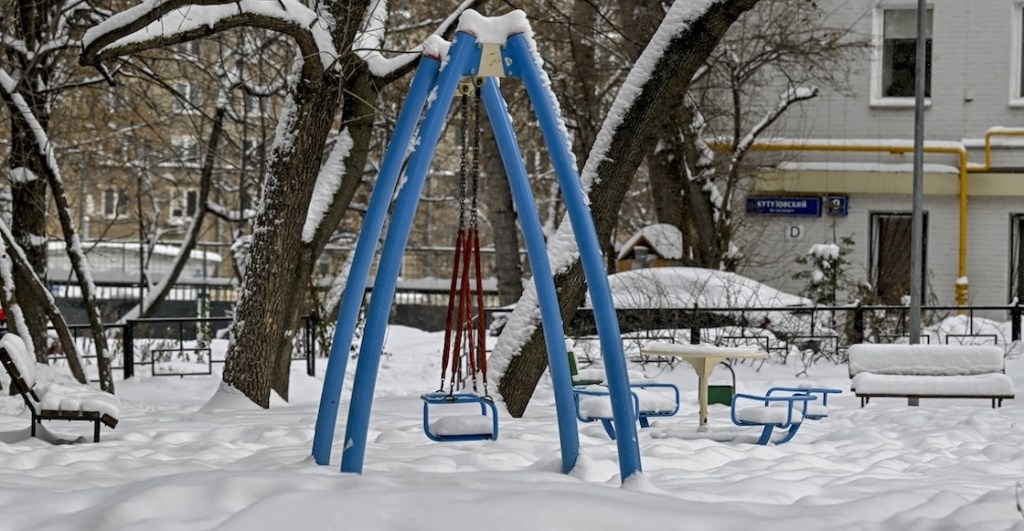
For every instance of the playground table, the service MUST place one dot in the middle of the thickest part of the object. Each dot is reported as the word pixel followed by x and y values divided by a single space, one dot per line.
pixel 703 359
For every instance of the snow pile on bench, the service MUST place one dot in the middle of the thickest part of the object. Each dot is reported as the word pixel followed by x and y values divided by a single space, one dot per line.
pixel 56 396
pixel 939 371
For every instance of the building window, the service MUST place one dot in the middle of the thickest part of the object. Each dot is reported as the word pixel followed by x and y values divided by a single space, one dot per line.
pixel 895 64
pixel 890 256
pixel 115 203
pixel 1016 257
pixel 187 98
pixel 186 150
pixel 184 204
pixel 1017 57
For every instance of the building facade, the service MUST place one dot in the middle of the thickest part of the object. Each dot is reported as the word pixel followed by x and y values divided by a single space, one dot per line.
pixel 843 166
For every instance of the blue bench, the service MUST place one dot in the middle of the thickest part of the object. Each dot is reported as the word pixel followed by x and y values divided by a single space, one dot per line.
pixel 781 407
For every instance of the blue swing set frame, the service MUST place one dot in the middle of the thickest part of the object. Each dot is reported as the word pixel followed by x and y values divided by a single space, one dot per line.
pixel 438 81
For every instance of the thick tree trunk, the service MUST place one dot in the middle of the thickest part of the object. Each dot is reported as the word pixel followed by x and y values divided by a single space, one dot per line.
pixel 28 225
pixel 668 81
pixel 357 114
pixel 28 219
pixel 666 187
pixel 266 311
pixel 508 266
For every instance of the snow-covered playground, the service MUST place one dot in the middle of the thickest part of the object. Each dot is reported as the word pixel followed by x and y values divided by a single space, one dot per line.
pixel 177 461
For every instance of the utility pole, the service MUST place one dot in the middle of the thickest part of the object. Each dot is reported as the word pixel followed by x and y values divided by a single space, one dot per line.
pixel 916 223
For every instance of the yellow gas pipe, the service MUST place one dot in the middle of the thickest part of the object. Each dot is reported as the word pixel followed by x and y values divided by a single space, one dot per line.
pixel 897 147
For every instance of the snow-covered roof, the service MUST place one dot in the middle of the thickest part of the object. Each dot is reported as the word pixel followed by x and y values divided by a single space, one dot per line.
pixel 682 287
pixel 663 239
pixel 133 247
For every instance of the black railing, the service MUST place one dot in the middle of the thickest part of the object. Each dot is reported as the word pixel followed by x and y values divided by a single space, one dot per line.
pixel 174 346
pixel 821 332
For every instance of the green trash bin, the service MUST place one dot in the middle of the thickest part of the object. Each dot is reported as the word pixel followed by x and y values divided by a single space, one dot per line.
pixel 722 394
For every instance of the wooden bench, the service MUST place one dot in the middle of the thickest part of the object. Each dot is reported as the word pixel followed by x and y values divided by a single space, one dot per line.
pixel 54 401
pixel 781 407
pixel 929 371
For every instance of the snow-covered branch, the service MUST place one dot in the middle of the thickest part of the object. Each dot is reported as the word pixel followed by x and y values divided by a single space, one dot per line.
pixel 786 100
pixel 327 184
pixel 370 41
pixel 160 23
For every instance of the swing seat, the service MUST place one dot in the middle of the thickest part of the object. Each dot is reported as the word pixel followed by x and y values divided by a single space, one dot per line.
pixel 455 428
pixel 770 412
pixel 593 403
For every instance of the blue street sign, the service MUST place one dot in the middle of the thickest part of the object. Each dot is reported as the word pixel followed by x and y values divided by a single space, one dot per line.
pixel 784 206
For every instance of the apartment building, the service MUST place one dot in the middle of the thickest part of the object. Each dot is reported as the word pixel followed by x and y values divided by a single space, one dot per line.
pixel 842 164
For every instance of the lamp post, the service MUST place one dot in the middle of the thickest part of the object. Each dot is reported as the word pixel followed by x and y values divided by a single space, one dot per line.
pixel 916 223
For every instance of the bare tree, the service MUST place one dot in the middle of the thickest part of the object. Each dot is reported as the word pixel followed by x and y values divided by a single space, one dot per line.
pixel 36 43
pixel 780 48
pixel 339 67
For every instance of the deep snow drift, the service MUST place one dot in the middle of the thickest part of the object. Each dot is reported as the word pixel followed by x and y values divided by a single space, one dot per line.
pixel 176 463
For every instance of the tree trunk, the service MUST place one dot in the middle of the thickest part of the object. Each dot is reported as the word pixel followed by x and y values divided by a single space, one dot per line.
pixel 28 222
pixel 266 310
pixel 35 286
pixel 664 89
pixel 508 266
pixel 357 115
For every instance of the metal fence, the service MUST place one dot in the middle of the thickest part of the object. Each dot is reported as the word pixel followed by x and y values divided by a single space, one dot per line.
pixel 814 333
pixel 181 346
pixel 173 346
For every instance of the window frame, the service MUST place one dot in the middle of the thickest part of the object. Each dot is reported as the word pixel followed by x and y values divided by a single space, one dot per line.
pixel 188 98
pixel 1017 55
pixel 874 220
pixel 119 200
pixel 186 150
pixel 1016 261
pixel 878 99
pixel 180 202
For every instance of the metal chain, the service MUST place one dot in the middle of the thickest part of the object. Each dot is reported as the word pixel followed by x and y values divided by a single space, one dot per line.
pixel 476 158
pixel 463 125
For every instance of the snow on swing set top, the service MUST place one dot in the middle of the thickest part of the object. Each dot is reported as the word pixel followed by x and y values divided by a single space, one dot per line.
pixel 483 49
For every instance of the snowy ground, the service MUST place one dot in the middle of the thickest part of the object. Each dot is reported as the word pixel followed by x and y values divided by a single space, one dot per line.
pixel 173 464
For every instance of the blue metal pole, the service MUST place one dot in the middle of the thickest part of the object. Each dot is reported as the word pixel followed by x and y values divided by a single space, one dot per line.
pixel 547 297
pixel 366 247
pixel 459 56
pixel 590 254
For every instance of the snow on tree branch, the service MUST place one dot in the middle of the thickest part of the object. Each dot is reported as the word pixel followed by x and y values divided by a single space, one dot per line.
pixel 368 44
pixel 786 100
pixel 159 23
pixel 327 184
